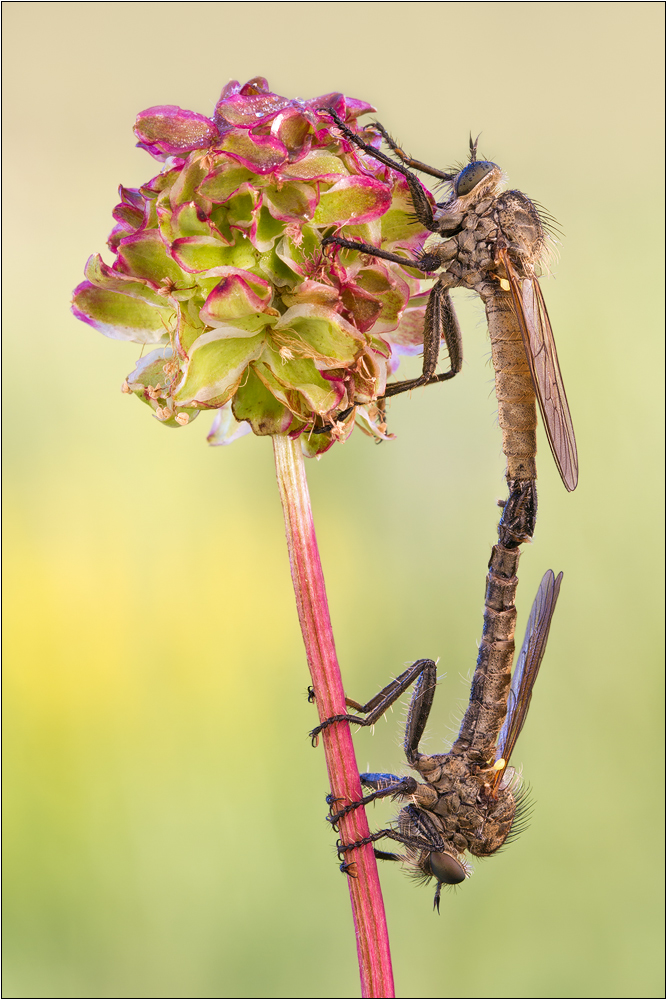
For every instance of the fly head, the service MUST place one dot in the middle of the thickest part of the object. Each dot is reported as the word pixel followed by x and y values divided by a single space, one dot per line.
pixel 478 176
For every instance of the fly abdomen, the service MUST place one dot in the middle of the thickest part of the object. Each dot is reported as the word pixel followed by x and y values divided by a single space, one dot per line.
pixel 515 393
pixel 488 693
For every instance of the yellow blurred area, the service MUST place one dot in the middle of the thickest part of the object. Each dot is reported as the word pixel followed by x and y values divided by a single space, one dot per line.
pixel 164 810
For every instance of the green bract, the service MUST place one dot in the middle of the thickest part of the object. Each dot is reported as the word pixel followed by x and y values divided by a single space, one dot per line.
pixel 219 270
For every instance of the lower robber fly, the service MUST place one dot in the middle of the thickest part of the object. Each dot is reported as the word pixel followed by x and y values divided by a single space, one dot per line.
pixel 468 799
pixel 491 241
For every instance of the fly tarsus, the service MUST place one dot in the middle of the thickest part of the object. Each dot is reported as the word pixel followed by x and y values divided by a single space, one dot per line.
pixel 421 204
pixel 440 321
pixel 315 733
pixel 342 849
pixel 421 834
pixel 424 168
pixel 372 251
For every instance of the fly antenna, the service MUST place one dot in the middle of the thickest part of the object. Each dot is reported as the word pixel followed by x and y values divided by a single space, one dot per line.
pixel 473 147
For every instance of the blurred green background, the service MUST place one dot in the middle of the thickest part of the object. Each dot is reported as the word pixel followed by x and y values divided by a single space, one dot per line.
pixel 165 831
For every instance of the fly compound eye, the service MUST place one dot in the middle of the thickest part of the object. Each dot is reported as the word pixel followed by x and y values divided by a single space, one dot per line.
pixel 446 868
pixel 471 175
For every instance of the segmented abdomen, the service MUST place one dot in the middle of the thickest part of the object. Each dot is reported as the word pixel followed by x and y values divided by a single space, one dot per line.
pixel 517 414
pixel 488 693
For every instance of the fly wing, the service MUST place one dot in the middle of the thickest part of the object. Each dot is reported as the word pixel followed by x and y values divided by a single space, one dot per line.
pixel 528 665
pixel 540 347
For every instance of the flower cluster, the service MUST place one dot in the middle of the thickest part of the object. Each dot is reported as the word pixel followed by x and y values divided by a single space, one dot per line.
pixel 219 265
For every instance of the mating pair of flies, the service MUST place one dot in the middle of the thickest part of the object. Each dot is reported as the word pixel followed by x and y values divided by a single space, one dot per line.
pixel 493 242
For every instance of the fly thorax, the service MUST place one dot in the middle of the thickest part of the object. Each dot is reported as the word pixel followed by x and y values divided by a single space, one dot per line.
pixel 469 254
pixel 520 224
pixel 497 816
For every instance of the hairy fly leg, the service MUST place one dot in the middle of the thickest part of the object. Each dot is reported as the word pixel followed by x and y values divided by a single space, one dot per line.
pixel 425 670
pixel 416 831
pixel 421 204
pixel 384 785
pixel 423 168
pixel 440 321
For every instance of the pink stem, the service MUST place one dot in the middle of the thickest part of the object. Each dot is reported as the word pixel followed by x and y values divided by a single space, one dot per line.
pixel 311 600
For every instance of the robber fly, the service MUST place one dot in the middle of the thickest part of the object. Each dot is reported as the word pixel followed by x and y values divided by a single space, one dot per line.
pixel 469 799
pixel 493 242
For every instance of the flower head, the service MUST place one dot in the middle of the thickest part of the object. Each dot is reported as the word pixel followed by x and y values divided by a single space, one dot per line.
pixel 219 268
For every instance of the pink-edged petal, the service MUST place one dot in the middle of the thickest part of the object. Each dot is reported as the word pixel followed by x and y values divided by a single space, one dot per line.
pixel 408 337
pixel 216 368
pixel 315 331
pixel 100 274
pixel 387 285
pixel 248 111
pixel 362 306
pixel 333 100
pixel 348 108
pixel 120 316
pixel 314 292
pixel 317 165
pixel 128 216
pixel 294 202
pixel 354 108
pixel 298 383
pixel 225 428
pixel 197 254
pixel 145 255
pixel 117 234
pixel 174 131
pixel 254 403
pixel 352 200
pixel 131 196
pixel 152 188
pixel 229 89
pixel 256 85
pixel 261 153
pixel 223 182
pixel 292 128
pixel 236 296
pixel 188 220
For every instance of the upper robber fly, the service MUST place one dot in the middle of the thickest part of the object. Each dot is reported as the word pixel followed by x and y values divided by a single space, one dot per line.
pixel 491 241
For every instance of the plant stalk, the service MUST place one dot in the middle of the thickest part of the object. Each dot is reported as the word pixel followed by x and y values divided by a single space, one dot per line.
pixel 311 601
